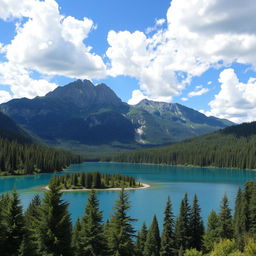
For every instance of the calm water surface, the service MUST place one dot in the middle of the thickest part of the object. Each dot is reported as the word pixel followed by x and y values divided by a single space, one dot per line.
pixel 210 184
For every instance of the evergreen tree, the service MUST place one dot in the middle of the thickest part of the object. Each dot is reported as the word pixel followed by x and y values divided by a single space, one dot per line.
pixel 182 227
pixel 75 242
pixel 167 238
pixel 91 235
pixel 14 226
pixel 197 227
pixel 225 220
pixel 30 243
pixel 120 227
pixel 141 240
pixel 252 213
pixel 153 242
pixel 55 224
pixel 4 202
pixel 239 219
pixel 212 234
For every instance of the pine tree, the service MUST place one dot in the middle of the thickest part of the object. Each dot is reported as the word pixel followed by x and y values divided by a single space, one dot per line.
pixel 182 228
pixel 120 228
pixel 225 220
pixel 141 240
pixel 30 242
pixel 252 213
pixel 239 219
pixel 197 227
pixel 75 242
pixel 153 242
pixel 4 202
pixel 167 238
pixel 15 226
pixel 212 234
pixel 55 224
pixel 91 238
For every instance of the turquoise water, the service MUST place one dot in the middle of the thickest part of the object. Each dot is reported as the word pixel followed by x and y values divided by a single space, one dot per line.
pixel 210 184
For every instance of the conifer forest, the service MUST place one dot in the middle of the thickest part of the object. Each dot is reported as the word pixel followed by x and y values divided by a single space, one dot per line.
pixel 45 228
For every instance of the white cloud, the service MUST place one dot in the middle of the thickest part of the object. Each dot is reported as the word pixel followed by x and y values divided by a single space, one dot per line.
pixel 21 84
pixel 236 101
pixel 184 98
pixel 4 96
pixel 137 96
pixel 53 44
pixel 200 34
pixel 158 23
pixel 46 42
pixel 198 92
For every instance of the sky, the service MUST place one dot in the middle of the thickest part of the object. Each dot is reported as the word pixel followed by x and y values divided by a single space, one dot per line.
pixel 199 53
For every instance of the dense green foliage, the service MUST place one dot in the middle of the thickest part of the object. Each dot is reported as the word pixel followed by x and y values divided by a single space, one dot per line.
pixel 233 147
pixel 26 158
pixel 45 229
pixel 94 180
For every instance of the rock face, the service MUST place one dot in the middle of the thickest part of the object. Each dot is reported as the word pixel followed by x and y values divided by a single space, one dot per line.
pixel 94 115
pixel 161 123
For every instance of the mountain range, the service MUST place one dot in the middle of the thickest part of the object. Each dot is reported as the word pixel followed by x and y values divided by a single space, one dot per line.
pixel 231 147
pixel 83 113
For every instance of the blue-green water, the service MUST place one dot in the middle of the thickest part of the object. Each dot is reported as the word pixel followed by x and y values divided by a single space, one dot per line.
pixel 210 184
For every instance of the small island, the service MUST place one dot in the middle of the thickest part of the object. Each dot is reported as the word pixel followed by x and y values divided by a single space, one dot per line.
pixel 84 181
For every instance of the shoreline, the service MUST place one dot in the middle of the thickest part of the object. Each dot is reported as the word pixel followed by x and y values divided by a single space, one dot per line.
pixel 144 186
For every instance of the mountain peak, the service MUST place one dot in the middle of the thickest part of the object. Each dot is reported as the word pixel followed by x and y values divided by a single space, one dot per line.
pixel 84 94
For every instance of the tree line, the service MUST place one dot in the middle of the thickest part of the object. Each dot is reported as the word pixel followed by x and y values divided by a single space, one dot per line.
pixel 45 228
pixel 94 180
pixel 232 147
pixel 26 158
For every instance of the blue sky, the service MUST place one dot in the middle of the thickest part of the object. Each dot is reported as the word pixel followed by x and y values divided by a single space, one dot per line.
pixel 198 54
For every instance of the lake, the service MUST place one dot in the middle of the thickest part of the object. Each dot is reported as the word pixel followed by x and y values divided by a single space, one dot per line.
pixel 210 185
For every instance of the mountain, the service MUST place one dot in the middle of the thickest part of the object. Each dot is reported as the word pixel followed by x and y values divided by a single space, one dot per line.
pixel 78 111
pixel 232 147
pixel 22 154
pixel 84 114
pixel 10 130
pixel 161 123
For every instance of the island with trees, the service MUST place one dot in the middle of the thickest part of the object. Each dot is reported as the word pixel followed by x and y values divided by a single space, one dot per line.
pixel 95 180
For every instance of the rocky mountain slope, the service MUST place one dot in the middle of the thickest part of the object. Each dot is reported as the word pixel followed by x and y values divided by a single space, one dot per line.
pixel 83 113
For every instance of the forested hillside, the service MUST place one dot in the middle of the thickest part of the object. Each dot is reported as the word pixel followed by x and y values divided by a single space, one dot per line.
pixel 46 229
pixel 233 147
pixel 26 158
pixel 10 130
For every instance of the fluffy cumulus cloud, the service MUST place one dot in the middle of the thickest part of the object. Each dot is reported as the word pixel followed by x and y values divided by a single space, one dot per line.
pixel 46 42
pixel 199 34
pixel 22 85
pixel 236 101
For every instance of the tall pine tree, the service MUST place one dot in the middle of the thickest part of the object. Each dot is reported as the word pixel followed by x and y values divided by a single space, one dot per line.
pixel 197 227
pixel 30 243
pixel 141 240
pixel 167 238
pixel 14 226
pixel 183 227
pixel 239 219
pixel 55 224
pixel 153 242
pixel 120 230
pixel 92 241
pixel 225 219
pixel 212 234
